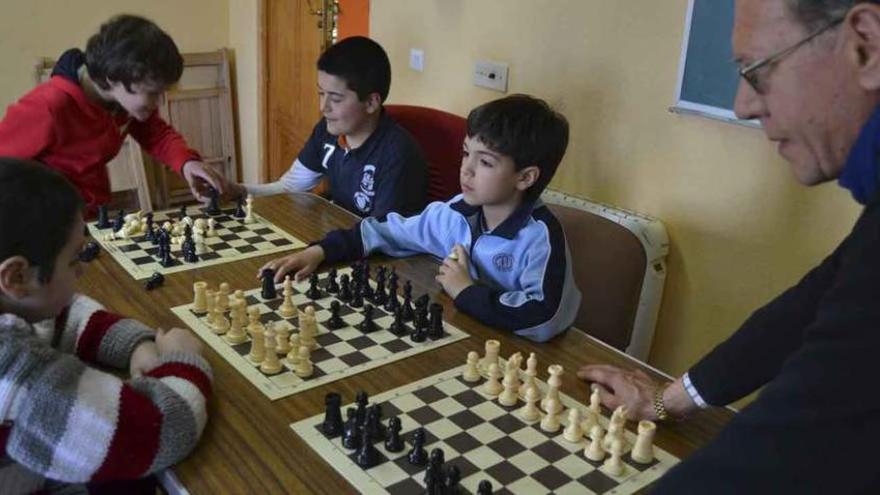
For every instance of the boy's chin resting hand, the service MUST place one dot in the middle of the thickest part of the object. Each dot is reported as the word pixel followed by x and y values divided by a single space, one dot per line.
pixel 144 358
pixel 454 276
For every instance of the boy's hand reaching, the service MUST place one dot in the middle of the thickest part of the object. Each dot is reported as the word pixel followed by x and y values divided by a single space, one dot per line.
pixel 177 340
pixel 454 274
pixel 199 176
pixel 302 264
pixel 144 358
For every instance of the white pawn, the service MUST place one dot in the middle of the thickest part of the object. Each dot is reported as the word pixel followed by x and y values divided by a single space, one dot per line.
pixel 589 420
pixel 530 411
pixel 594 450
pixel 493 350
pixel 223 296
pixel 283 339
pixel 616 429
pixel 270 364
pixel 287 309
pixel 200 305
pixel 471 371
pixel 643 450
pixel 249 209
pixel 293 353
pixel 258 346
pixel 531 375
pixel 551 423
pixel 220 324
pixel 493 386
pixel 595 401
pixel 211 224
pixel 254 324
pixel 573 432
pixel 243 317
pixel 304 368
pixel 236 334
pixel 613 465
pixel 511 383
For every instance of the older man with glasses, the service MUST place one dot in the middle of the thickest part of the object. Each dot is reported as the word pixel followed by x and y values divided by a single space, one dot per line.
pixel 811 75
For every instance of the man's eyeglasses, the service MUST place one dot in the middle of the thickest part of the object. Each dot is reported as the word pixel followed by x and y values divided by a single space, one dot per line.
pixel 751 73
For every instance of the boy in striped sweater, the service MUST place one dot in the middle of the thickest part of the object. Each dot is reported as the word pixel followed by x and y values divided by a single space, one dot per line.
pixel 65 423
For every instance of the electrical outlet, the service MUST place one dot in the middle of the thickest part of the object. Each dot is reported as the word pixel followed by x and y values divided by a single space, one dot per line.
pixel 417 59
pixel 491 75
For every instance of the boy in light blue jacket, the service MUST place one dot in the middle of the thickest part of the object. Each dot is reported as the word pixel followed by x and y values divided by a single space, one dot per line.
pixel 505 258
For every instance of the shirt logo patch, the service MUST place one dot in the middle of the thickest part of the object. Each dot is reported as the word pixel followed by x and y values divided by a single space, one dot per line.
pixel 363 199
pixel 503 262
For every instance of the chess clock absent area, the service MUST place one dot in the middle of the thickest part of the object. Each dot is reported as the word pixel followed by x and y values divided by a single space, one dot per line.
pixel 295 336
pixel 190 237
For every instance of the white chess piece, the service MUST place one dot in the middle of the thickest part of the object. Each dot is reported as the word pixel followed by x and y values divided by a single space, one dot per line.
pixel 493 350
pixel 200 305
pixel 308 328
pixel 550 423
pixel 471 371
pixel 287 309
pixel 293 353
pixel 594 450
pixel 236 334
pixel 589 420
pixel 530 411
pixel 258 346
pixel 220 324
pixel 210 301
pixel 270 364
pixel 493 386
pixel 616 431
pixel 613 465
pixel 531 375
pixel 573 432
pixel 511 383
pixel 249 210
pixel 595 401
pixel 223 296
pixel 304 368
pixel 643 450
pixel 283 339
pixel 211 225
pixel 254 324
pixel 553 384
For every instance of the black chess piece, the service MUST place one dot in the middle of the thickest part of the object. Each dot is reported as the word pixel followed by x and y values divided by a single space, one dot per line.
pixel 435 479
pixel 435 324
pixel 421 320
pixel 344 289
pixel 419 335
pixel 188 247
pixel 422 301
pixel 149 235
pixel 453 478
pixel 314 292
pixel 357 299
pixel 268 291
pixel 335 322
pixel 392 303
pixel 214 203
pixel 119 221
pixel 165 249
pixel 155 281
pixel 418 456
pixel 367 455
pixel 361 400
pixel 374 423
pixel 408 312
pixel 183 213
pixel 103 222
pixel 332 285
pixel 407 289
pixel 332 425
pixel 398 326
pixel 368 325
pixel 350 437
pixel 379 295
pixel 89 252
pixel 484 488
pixel 239 208
pixel 393 442
pixel 365 289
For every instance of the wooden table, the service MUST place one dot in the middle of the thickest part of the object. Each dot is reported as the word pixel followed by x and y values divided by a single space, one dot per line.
pixel 248 446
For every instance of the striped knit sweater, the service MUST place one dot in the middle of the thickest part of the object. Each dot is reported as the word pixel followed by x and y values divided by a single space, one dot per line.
pixel 65 422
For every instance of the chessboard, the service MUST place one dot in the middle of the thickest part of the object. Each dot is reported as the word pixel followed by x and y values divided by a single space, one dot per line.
pixel 340 352
pixel 232 240
pixel 485 441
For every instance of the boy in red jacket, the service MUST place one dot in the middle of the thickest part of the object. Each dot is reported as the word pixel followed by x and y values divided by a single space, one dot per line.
pixel 76 122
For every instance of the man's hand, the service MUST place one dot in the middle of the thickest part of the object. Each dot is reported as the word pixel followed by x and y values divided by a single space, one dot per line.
pixel 177 340
pixel 303 263
pixel 636 390
pixel 454 274
pixel 199 176
pixel 144 358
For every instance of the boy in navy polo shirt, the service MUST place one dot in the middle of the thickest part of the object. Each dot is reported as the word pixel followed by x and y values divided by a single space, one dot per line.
pixel 374 166
pixel 506 259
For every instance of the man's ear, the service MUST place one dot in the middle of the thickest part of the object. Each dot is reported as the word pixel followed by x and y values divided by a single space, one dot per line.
pixel 863 25
pixel 527 177
pixel 15 277
pixel 373 102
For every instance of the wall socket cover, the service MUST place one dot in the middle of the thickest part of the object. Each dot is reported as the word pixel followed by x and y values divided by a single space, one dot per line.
pixel 417 59
pixel 491 75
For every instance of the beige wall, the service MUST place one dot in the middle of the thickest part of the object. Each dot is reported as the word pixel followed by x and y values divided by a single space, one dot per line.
pixel 244 31
pixel 741 228
pixel 44 28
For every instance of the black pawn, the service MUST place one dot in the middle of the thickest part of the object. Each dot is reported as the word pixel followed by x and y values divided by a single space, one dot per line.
pixel 268 291
pixel 434 475
pixel 453 477
pixel 350 437
pixel 374 423
pixel 435 325
pixel 393 442
pixel 344 289
pixel 332 425
pixel 367 455
pixel 398 327
pixel 103 222
pixel 214 204
pixel 408 312
pixel 188 248
pixel 418 456
pixel 239 208
pixel 335 322
pixel 149 235
pixel 119 221
pixel 407 289
pixel 361 414
pixel 484 488
pixel 368 325
pixel 332 285
pixel 155 281
pixel 314 292
pixel 165 249
pixel 379 296
pixel 357 299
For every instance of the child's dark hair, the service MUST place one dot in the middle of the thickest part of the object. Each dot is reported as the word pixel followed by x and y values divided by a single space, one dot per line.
pixel 527 130
pixel 38 208
pixel 129 49
pixel 362 63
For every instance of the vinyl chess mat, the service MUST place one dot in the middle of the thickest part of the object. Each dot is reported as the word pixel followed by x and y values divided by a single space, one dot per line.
pixel 234 240
pixel 342 352
pixel 485 440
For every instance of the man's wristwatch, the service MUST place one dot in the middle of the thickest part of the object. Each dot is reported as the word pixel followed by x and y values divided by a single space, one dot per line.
pixel 659 407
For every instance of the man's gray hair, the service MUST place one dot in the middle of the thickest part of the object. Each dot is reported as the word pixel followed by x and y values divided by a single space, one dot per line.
pixel 815 14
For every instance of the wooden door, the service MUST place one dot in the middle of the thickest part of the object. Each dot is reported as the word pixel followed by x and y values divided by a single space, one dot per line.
pixel 295 32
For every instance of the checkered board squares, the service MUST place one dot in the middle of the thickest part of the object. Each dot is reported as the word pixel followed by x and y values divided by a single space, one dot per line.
pixel 487 441
pixel 340 353
pixel 234 240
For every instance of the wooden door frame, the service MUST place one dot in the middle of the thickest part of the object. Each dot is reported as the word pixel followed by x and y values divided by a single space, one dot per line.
pixel 262 90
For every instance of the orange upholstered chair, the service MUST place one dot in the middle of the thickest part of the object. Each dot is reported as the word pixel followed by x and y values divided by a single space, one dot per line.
pixel 440 134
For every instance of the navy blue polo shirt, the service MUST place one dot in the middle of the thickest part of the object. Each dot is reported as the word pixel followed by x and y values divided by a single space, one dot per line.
pixel 386 173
